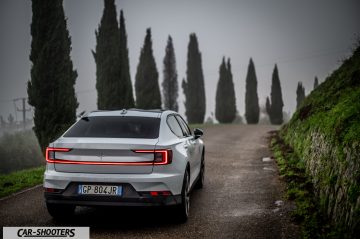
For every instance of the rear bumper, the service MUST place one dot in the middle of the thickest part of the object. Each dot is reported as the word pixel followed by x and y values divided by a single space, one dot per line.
pixel 142 201
pixel 136 188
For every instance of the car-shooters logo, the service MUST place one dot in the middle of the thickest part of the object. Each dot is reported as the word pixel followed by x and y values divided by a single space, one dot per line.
pixel 46 232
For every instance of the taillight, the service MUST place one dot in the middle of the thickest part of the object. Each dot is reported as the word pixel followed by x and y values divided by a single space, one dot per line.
pixel 156 194
pixel 50 153
pixel 161 156
pixel 160 193
pixel 52 190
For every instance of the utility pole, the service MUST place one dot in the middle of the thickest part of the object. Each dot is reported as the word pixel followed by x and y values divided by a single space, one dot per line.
pixel 23 99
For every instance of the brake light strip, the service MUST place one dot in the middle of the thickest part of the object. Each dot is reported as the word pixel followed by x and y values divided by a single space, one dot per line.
pixel 141 163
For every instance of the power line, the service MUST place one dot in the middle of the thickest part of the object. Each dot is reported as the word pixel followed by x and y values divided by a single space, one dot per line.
pixel 23 110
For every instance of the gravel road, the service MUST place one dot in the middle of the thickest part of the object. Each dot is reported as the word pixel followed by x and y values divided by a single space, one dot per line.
pixel 242 198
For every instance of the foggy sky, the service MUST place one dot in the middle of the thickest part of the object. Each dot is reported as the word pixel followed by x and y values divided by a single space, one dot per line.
pixel 305 38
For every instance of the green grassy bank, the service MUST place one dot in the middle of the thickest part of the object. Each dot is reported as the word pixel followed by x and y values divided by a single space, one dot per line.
pixel 16 181
pixel 323 138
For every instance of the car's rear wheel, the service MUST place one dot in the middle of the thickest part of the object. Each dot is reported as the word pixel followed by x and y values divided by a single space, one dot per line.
pixel 201 179
pixel 60 211
pixel 182 210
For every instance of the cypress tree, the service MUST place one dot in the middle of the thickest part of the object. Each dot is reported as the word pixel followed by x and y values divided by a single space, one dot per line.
pixel 194 89
pixel 268 107
pixel 51 88
pixel 112 79
pixel 316 82
pixel 275 108
pixel 225 109
pixel 170 84
pixel 125 66
pixel 300 94
pixel 252 110
pixel 146 79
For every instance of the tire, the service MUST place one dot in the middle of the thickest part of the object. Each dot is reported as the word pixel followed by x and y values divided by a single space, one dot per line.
pixel 60 211
pixel 182 210
pixel 200 182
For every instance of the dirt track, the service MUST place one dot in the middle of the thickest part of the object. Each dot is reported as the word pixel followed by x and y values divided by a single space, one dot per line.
pixel 238 200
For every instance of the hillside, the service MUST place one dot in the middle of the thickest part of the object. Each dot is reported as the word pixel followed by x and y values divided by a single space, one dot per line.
pixel 325 135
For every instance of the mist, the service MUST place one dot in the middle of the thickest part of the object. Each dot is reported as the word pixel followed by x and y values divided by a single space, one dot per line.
pixel 305 38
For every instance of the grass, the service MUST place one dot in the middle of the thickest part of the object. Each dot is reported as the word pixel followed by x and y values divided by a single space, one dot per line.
pixel 16 181
pixel 333 109
pixel 325 132
pixel 300 190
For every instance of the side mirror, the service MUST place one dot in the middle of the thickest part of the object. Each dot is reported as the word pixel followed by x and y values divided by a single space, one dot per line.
pixel 198 133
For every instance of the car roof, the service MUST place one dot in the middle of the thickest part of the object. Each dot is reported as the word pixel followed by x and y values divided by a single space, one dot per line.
pixel 129 112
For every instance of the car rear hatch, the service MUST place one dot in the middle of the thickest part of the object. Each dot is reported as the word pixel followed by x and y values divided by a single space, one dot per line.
pixel 107 144
pixel 87 155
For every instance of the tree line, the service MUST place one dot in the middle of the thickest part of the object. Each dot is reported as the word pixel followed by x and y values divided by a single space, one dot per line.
pixel 51 88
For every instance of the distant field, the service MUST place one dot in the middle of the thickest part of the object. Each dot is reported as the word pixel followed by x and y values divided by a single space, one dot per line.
pixel 19 151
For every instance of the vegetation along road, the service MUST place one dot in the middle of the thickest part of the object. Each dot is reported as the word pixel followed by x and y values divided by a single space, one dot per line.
pixel 242 198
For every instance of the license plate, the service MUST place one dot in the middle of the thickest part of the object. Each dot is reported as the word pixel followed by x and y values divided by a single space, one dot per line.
pixel 100 190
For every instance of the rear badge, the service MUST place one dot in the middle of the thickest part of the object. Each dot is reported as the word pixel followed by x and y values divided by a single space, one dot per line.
pixel 123 111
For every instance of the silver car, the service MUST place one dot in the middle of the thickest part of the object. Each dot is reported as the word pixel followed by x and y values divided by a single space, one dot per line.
pixel 124 158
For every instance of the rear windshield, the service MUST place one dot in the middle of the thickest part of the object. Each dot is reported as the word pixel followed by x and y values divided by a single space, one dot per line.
pixel 116 127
